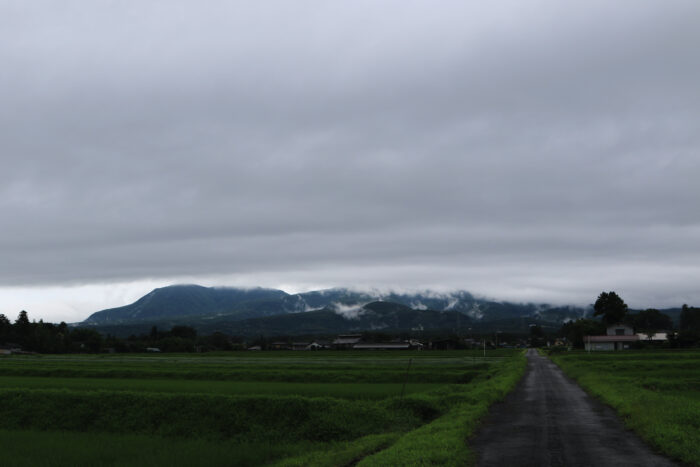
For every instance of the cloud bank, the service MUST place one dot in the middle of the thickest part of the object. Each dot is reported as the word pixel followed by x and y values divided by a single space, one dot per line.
pixel 540 151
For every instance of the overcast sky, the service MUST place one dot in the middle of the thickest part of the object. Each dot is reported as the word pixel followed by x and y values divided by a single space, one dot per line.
pixel 521 150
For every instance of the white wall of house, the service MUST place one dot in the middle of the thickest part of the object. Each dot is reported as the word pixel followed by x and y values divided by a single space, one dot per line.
pixel 657 336
pixel 619 330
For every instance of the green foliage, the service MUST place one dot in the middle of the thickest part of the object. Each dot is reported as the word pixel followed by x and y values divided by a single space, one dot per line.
pixel 689 330
pixel 651 320
pixel 5 329
pixel 574 331
pixel 183 332
pixel 611 307
pixel 656 393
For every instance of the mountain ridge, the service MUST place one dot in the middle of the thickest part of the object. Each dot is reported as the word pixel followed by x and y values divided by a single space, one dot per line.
pixel 204 307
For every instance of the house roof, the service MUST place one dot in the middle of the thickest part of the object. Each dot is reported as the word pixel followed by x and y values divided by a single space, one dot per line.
pixel 347 340
pixel 610 338
pixel 380 346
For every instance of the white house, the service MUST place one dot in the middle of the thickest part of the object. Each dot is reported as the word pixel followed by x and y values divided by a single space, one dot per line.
pixel 653 337
pixel 617 337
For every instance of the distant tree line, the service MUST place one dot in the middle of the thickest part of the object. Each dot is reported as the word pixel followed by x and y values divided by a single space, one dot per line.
pixel 613 310
pixel 41 337
pixel 44 337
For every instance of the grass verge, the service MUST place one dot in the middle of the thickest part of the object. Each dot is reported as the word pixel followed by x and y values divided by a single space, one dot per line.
pixel 664 416
pixel 443 441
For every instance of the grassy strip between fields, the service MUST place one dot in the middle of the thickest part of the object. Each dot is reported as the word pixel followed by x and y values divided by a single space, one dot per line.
pixel 667 420
pixel 283 375
pixel 443 441
pixel 339 454
pixel 337 390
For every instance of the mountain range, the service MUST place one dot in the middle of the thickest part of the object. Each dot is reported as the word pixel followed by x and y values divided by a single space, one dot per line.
pixel 260 311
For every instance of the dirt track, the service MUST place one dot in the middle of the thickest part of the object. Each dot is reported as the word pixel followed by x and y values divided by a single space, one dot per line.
pixel 550 421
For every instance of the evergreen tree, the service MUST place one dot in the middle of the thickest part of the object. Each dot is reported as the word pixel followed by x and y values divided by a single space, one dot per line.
pixel 23 328
pixel 5 329
pixel 611 307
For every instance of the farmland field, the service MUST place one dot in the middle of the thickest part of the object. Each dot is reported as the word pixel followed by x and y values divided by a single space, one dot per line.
pixel 656 392
pixel 245 408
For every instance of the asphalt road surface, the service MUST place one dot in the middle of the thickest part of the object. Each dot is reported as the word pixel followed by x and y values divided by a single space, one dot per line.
pixel 548 420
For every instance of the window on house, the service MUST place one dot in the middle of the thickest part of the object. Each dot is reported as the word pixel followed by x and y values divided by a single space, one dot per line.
pixel 620 332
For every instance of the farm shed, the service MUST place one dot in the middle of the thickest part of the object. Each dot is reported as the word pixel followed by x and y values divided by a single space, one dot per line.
pixel 346 341
pixel 617 337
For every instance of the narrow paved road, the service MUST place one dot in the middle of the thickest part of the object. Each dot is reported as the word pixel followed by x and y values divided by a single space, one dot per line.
pixel 550 421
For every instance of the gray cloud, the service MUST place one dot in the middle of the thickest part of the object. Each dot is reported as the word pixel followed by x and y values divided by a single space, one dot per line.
pixel 522 150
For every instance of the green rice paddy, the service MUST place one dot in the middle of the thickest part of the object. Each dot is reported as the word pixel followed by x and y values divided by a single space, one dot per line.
pixel 245 408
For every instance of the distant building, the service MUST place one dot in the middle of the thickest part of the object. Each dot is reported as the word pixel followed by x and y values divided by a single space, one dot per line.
pixel 296 346
pixel 345 342
pixel 382 346
pixel 653 337
pixel 472 343
pixel 617 337
pixel 9 348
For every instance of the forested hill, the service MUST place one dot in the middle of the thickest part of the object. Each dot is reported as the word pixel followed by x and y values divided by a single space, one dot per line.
pixel 180 301
pixel 235 309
